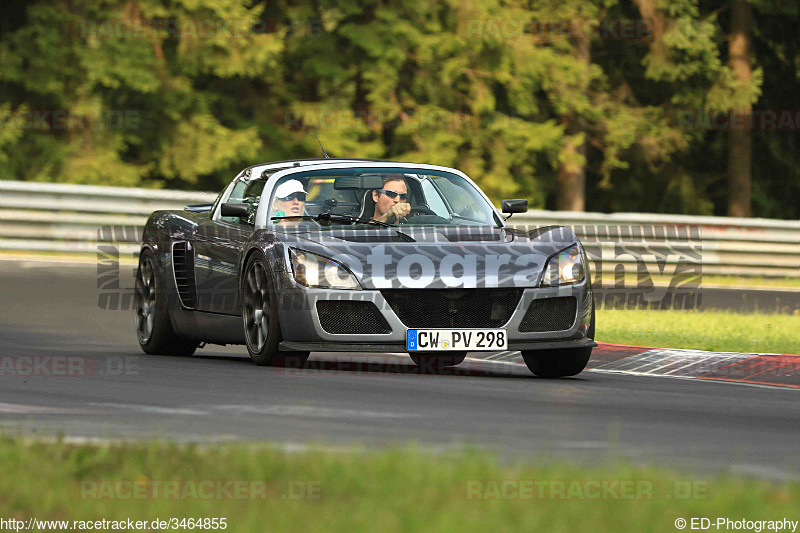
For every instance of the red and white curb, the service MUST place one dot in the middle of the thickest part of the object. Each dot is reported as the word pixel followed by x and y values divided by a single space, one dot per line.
pixel 777 370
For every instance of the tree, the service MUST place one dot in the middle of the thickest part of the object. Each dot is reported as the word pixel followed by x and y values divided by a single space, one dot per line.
pixel 128 93
pixel 537 98
pixel 740 140
pixel 776 151
pixel 571 192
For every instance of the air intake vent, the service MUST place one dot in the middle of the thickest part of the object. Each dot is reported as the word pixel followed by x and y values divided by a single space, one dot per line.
pixel 549 314
pixel 453 308
pixel 351 317
pixel 183 267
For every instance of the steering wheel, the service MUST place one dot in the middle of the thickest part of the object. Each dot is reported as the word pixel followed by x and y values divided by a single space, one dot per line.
pixel 417 210
pixel 421 210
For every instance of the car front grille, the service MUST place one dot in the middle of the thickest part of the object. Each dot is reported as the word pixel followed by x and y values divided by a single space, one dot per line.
pixel 351 317
pixel 549 314
pixel 453 308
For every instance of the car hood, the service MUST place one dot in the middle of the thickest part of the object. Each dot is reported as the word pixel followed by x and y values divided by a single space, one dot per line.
pixel 426 257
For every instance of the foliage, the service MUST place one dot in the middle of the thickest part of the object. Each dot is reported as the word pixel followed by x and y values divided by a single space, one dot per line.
pixel 181 94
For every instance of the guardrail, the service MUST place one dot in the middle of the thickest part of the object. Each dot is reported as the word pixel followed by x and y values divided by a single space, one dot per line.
pixel 726 246
pixel 66 218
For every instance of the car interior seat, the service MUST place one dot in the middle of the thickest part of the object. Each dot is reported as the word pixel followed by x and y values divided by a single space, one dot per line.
pixel 367 205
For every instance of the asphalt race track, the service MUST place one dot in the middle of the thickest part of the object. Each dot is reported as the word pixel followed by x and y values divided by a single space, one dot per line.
pixel 93 382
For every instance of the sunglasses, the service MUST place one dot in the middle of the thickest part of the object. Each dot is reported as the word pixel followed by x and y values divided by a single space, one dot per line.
pixel 393 194
pixel 294 196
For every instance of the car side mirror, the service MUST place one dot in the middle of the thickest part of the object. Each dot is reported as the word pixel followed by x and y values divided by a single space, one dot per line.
pixel 230 209
pixel 517 205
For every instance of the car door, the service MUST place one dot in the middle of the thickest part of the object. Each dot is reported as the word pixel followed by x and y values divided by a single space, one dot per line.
pixel 219 244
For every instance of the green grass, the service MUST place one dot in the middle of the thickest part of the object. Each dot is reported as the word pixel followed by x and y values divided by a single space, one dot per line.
pixel 742 281
pixel 777 282
pixel 400 490
pixel 76 257
pixel 715 331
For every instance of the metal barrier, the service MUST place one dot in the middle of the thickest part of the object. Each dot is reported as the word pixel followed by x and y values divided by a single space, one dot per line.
pixel 726 246
pixel 68 218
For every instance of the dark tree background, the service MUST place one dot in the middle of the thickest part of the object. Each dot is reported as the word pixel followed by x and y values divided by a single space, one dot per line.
pixel 602 105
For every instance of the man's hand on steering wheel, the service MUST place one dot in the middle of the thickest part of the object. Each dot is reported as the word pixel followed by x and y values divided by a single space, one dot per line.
pixel 397 211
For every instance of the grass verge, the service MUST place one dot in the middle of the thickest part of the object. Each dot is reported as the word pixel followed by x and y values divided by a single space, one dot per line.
pixel 716 331
pixel 752 282
pixel 76 257
pixel 748 282
pixel 399 490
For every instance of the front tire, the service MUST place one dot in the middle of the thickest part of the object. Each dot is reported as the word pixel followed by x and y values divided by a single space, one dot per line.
pixel 559 363
pixel 262 329
pixel 151 312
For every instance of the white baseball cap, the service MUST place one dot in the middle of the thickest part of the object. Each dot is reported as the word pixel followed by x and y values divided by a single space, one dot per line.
pixel 288 187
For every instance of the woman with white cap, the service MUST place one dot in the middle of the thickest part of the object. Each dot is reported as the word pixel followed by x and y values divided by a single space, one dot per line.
pixel 290 198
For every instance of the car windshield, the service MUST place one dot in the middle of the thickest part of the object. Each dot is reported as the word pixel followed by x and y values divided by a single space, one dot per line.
pixel 399 196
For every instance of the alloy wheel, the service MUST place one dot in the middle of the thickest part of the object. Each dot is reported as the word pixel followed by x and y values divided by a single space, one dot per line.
pixel 256 306
pixel 145 300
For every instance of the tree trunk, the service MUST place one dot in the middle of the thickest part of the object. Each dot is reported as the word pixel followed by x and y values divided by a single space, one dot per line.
pixel 571 194
pixel 740 141
pixel 571 175
pixel 654 16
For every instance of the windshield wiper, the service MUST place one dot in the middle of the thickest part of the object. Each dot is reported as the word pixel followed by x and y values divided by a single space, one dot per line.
pixel 325 219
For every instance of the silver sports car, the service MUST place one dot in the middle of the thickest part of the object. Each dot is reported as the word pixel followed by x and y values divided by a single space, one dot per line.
pixel 363 256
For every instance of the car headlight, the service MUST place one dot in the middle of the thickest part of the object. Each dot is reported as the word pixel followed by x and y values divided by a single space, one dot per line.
pixel 565 268
pixel 313 270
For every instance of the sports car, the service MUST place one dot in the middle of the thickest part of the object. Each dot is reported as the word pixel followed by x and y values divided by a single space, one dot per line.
pixel 360 255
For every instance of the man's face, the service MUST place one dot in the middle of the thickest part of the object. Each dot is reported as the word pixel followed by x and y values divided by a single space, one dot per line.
pixel 382 201
pixel 292 206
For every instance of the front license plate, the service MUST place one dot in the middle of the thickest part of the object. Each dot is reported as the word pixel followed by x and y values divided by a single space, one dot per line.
pixel 471 340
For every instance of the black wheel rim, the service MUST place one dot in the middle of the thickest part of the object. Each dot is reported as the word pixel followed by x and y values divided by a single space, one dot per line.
pixel 256 307
pixel 145 300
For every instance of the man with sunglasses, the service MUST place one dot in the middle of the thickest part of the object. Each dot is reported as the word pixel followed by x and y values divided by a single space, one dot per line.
pixel 290 198
pixel 390 202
